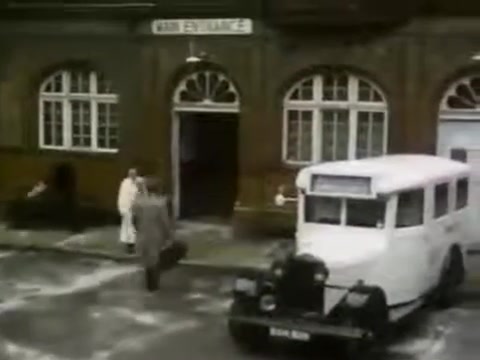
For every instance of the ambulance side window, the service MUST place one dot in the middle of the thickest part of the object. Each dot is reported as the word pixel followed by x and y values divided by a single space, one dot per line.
pixel 462 194
pixel 441 200
pixel 410 208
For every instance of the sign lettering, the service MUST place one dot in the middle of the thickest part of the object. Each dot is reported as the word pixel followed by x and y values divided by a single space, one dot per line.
pixel 202 27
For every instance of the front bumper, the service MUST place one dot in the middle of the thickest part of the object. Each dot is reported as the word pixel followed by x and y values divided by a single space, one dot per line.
pixel 310 327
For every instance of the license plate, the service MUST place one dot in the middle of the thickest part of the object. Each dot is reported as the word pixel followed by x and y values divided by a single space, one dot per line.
pixel 289 334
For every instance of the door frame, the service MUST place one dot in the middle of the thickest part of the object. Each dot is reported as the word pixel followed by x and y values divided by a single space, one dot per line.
pixel 175 144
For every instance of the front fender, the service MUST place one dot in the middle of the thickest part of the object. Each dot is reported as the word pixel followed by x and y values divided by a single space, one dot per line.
pixel 365 307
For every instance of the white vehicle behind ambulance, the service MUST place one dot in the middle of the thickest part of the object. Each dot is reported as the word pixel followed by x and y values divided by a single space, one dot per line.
pixel 376 238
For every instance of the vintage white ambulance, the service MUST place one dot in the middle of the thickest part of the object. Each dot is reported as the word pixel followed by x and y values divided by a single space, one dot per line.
pixel 376 238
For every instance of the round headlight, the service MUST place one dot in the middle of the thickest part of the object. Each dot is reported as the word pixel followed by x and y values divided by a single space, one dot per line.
pixel 267 303
pixel 320 277
pixel 356 300
pixel 278 272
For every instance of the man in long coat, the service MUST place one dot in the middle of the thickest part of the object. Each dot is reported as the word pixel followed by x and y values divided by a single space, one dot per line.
pixel 126 196
pixel 154 230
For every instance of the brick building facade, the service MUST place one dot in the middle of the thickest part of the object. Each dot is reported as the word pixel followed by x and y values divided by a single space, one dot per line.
pixel 99 86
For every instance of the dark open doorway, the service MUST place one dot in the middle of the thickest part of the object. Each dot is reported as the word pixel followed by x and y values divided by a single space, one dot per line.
pixel 208 164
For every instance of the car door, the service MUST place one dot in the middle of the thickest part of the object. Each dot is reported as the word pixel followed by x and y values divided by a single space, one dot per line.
pixel 440 227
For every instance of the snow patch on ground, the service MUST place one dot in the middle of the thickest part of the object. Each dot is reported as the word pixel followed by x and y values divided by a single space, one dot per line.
pixel 79 239
pixel 79 283
pixel 195 296
pixel 432 344
pixel 203 284
pixel 157 319
pixel 187 228
pixel 20 352
pixel 144 318
pixel 12 304
pixel 168 325
pixel 214 306
pixel 6 254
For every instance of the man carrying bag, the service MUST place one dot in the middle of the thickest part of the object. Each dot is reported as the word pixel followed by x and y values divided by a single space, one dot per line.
pixel 156 246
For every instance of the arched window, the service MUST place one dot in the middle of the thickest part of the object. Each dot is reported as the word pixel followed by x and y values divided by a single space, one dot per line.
pixel 334 116
pixel 78 112
pixel 206 90
pixel 462 99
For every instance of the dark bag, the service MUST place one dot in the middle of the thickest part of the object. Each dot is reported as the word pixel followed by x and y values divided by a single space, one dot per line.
pixel 172 255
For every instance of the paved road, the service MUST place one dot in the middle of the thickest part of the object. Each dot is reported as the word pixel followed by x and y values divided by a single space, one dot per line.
pixel 61 308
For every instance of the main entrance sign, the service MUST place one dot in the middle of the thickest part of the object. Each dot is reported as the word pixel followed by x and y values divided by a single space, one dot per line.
pixel 202 27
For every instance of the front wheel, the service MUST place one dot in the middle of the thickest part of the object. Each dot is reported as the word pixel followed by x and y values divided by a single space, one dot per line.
pixel 373 316
pixel 248 337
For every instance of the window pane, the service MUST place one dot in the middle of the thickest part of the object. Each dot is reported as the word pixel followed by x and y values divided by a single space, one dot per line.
pixel 441 200
pixel 410 208
pixel 107 126
pixel 52 123
pixel 341 88
pixel 366 213
pixel 58 127
pixel 335 134
pixel 335 87
pixel 292 134
pixel 80 82
pixel 328 134
pixel 102 115
pixel 378 132
pixel 328 87
pixel 370 134
pixel 366 93
pixel 58 83
pixel 307 90
pixel 343 135
pixel 81 123
pixel 306 138
pixel 299 135
pixel 322 210
pixel 48 125
pixel 363 129
pixel 459 155
pixel 48 87
pixel 462 194
pixel 303 91
pixel 104 86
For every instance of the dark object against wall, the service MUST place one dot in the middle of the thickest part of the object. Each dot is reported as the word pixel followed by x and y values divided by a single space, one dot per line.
pixel 57 206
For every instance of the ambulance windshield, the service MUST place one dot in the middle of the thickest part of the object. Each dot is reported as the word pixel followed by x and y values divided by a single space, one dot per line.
pixel 359 212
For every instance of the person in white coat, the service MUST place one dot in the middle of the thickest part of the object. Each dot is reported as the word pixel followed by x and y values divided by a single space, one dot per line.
pixel 127 194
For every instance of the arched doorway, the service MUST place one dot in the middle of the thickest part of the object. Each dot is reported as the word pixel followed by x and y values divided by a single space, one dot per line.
pixel 459 118
pixel 206 108
pixel 458 135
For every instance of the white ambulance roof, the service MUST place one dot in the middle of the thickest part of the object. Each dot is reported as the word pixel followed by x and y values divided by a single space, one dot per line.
pixel 390 173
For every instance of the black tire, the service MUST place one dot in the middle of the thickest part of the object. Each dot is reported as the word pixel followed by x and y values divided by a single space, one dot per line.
pixel 446 294
pixel 375 317
pixel 249 338
pixel 363 349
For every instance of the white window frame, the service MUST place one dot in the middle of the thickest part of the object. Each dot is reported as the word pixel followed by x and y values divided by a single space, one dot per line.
pixel 317 104
pixel 452 114
pixel 66 98
pixel 207 103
